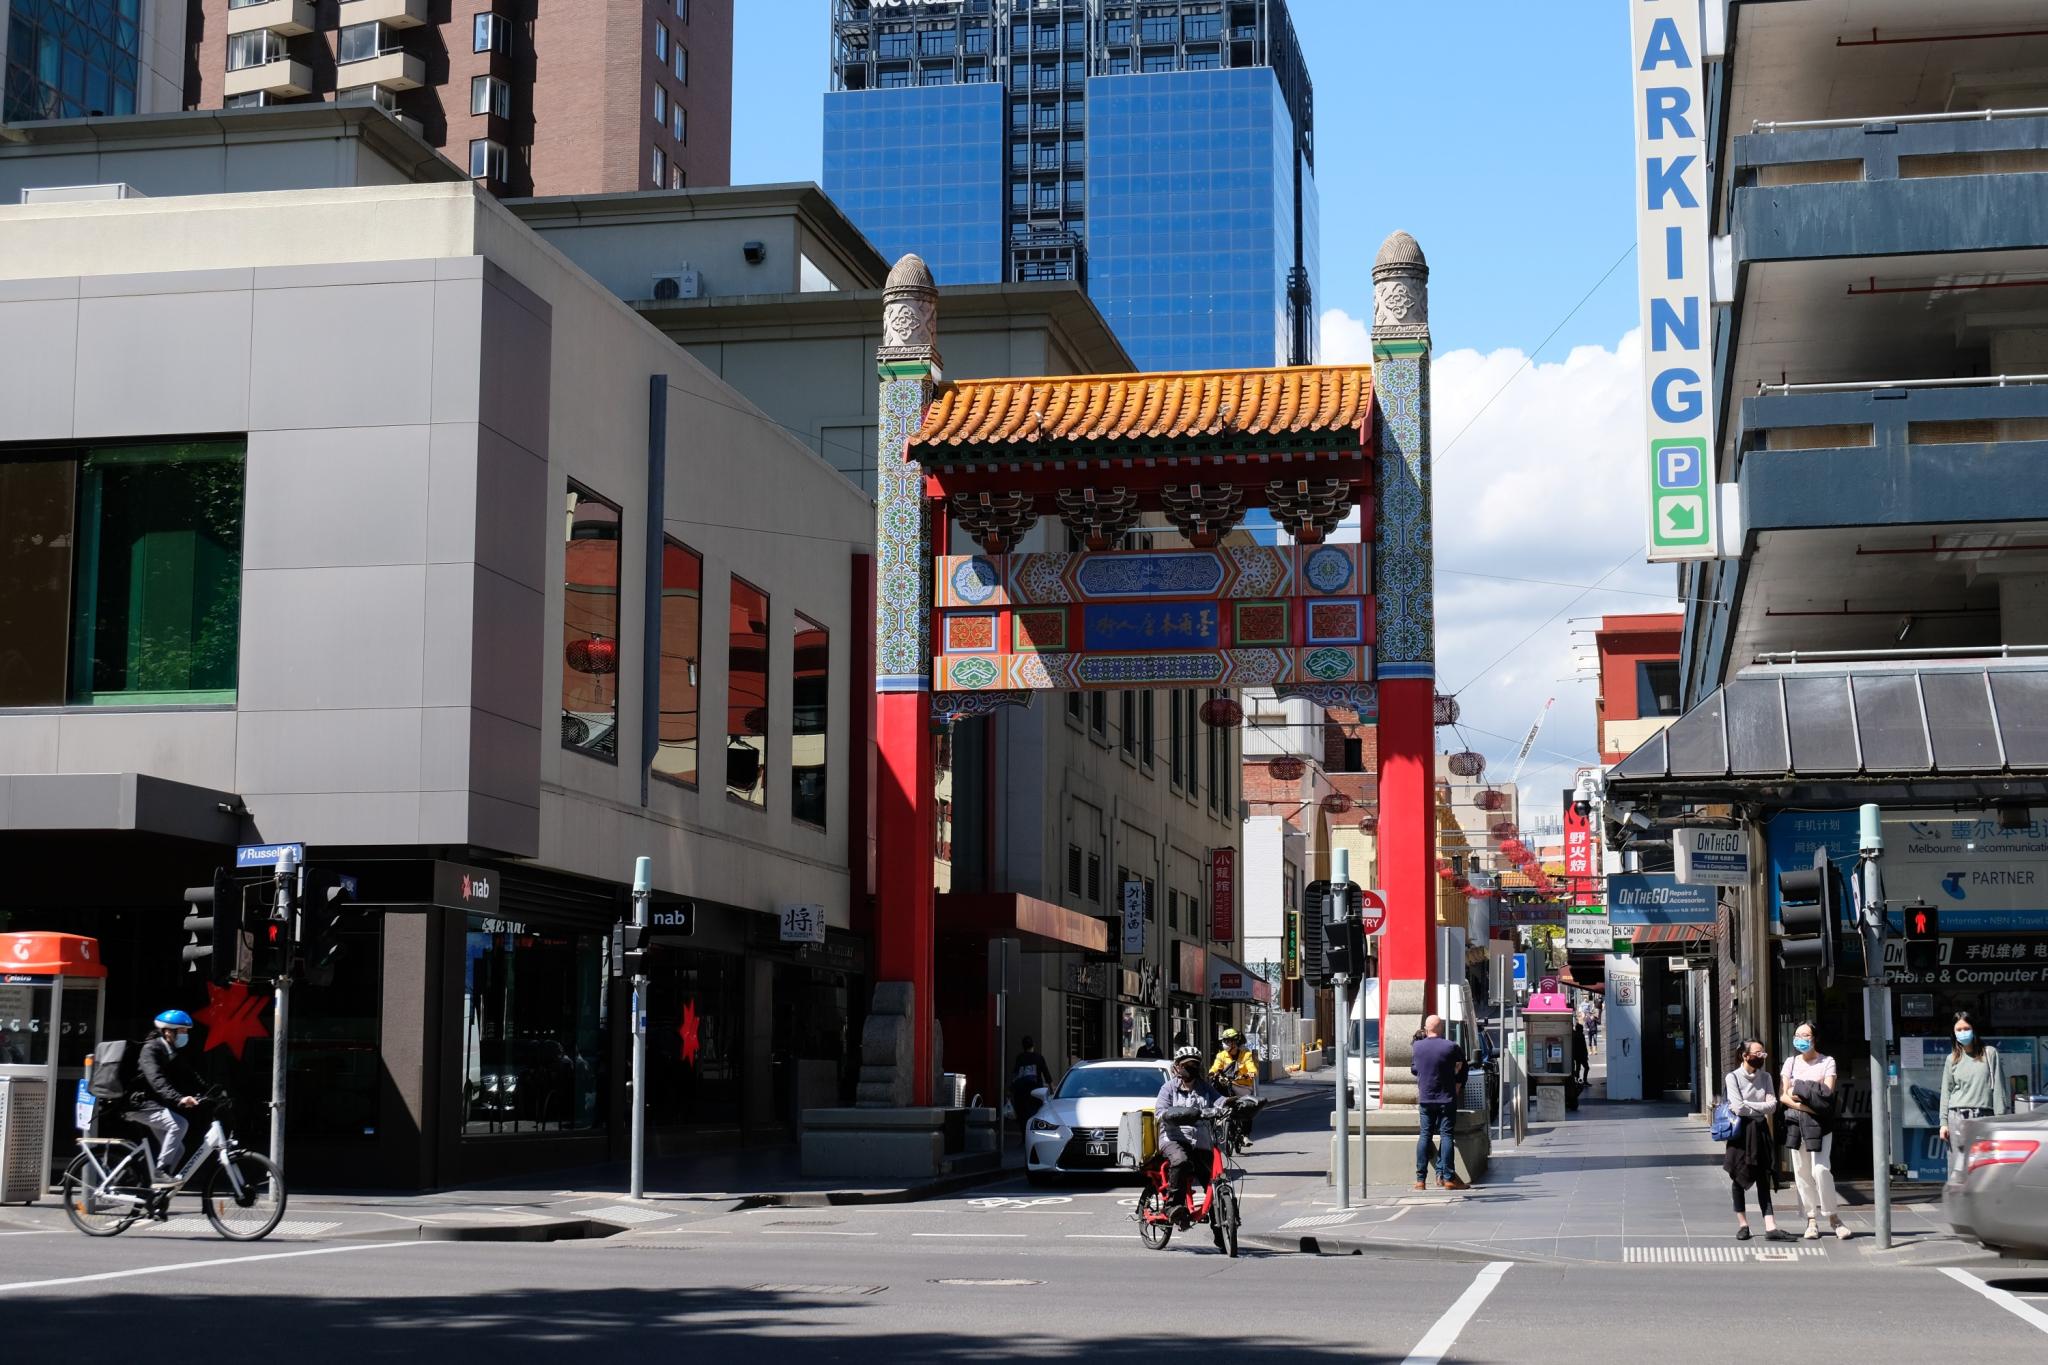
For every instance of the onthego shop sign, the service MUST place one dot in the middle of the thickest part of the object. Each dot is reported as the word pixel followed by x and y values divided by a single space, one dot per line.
pixel 1672 253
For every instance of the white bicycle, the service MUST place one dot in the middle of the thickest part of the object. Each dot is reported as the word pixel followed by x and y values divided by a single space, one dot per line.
pixel 108 1186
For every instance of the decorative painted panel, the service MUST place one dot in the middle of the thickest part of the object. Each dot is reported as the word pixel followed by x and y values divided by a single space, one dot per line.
pixel 1403 529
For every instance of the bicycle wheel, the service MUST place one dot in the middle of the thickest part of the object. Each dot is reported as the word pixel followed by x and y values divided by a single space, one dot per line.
pixel 1227 1219
pixel 106 1208
pixel 1154 1234
pixel 257 1211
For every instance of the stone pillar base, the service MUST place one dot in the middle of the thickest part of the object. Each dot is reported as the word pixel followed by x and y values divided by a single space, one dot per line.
pixel 1390 1134
pixel 901 1145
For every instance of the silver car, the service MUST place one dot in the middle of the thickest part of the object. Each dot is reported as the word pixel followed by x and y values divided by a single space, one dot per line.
pixel 1997 1192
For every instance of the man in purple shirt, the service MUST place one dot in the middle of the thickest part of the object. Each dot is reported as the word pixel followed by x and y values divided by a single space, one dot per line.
pixel 1439 1074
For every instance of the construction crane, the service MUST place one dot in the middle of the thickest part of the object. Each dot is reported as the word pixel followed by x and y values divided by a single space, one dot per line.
pixel 1529 741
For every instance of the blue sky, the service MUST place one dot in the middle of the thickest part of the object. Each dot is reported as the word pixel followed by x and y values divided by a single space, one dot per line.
pixel 1497 133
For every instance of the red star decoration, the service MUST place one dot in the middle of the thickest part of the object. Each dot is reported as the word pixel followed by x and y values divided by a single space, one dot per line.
pixel 687 1031
pixel 232 1017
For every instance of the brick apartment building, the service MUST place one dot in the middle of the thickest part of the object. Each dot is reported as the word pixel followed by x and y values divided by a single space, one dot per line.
pixel 567 97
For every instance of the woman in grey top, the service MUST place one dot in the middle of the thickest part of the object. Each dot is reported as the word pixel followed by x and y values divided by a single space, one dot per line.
pixel 1972 1083
pixel 1752 1155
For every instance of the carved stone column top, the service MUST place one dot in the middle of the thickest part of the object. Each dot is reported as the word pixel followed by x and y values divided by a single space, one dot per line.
pixel 910 308
pixel 1400 288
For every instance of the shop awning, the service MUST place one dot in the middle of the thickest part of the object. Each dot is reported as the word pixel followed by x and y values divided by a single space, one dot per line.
pixel 134 803
pixel 1043 926
pixel 1231 981
pixel 1651 935
pixel 1918 732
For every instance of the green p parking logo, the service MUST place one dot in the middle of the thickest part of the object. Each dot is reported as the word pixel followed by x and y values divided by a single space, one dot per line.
pixel 1681 496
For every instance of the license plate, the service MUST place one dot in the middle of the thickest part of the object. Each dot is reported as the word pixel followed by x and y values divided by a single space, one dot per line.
pixel 1099 1149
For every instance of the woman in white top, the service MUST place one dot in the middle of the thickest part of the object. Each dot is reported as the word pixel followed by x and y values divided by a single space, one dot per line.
pixel 1807 1090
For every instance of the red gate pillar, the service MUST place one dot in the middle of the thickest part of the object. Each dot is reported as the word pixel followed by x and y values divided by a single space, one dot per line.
pixel 1405 660
pixel 908 364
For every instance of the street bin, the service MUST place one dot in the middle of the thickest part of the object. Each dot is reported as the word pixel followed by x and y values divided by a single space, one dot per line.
pixel 52 1010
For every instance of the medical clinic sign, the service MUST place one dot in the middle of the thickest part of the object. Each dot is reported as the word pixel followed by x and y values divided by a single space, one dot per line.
pixel 1671 266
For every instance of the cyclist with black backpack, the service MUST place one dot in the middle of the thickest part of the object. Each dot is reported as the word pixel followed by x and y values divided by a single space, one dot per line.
pixel 166 1088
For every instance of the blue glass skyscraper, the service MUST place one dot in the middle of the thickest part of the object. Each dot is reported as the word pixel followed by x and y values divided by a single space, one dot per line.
pixel 1162 152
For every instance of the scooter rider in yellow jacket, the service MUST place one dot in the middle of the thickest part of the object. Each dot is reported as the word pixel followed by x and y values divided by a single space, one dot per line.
pixel 1236 1073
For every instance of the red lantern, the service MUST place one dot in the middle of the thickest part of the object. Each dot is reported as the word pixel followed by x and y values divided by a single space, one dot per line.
pixel 755 722
pixel 577 655
pixel 1368 824
pixel 1467 763
pixel 1221 713
pixel 1502 829
pixel 595 655
pixel 1446 710
pixel 1336 803
pixel 1286 768
pixel 1460 885
pixel 1491 800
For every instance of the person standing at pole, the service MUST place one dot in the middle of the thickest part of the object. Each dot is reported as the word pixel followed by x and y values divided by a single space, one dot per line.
pixel 1806 1087
pixel 1439 1068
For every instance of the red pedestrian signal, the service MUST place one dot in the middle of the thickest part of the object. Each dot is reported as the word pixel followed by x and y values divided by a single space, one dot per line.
pixel 1923 937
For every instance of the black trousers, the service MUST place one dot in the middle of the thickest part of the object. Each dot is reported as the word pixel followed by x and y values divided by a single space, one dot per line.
pixel 1763 1196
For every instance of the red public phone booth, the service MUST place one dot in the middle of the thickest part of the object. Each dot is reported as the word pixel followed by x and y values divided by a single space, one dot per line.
pixel 52 1008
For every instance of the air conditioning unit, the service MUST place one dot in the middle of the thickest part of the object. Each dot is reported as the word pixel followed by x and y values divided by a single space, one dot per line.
pixel 78 194
pixel 682 284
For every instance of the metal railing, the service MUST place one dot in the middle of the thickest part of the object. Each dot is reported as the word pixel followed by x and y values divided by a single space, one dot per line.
pixel 1996 381
pixel 1951 116
pixel 1815 656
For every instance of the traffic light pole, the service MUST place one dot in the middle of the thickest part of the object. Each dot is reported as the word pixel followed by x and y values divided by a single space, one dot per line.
pixel 1877 1016
pixel 643 888
pixel 281 1001
pixel 1340 877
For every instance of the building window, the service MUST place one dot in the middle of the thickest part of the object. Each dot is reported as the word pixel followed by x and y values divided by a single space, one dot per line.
pixel 1157 62
pixel 1194 743
pixel 660 168
pixel 660 43
pixel 489 160
pixel 489 95
pixel 1127 722
pixel 683 11
pixel 257 48
pixel 534 1010
pixel 1172 909
pixel 677 127
pixel 1074 705
pixel 676 179
pixel 1095 878
pixel 746 696
pixel 935 75
pixel 255 99
pixel 1151 905
pixel 682 640
pixel 660 106
pixel 358 43
pixel 1098 715
pixel 1074 871
pixel 590 624
pixel 974 41
pixel 121 575
pixel 1354 754
pixel 1209 60
pixel 492 33
pixel 1146 735
pixel 1657 688
pixel 682 65
pixel 810 690
pixel 1176 773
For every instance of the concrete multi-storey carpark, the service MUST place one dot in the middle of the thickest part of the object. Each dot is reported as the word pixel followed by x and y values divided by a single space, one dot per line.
pixel 1877 628
pixel 326 515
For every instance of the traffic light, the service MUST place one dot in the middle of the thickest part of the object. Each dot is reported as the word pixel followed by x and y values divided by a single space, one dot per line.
pixel 1317 937
pixel 1809 902
pixel 1344 948
pixel 326 901
pixel 629 949
pixel 1923 937
pixel 212 923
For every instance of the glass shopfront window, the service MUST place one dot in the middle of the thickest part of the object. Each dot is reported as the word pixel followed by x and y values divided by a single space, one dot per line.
pixel 534 1013
pixel 695 1039
pixel 590 625
pixel 746 696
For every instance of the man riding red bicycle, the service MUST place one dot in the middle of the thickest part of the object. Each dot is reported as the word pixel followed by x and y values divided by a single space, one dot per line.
pixel 1184 1107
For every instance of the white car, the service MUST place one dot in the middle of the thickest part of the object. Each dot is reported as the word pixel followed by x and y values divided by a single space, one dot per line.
pixel 1076 1129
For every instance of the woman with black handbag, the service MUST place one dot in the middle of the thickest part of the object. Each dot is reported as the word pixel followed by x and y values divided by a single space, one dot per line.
pixel 1808 1093
pixel 1752 1153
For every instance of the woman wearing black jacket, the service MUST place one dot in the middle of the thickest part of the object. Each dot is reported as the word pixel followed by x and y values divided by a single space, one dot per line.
pixel 1752 1154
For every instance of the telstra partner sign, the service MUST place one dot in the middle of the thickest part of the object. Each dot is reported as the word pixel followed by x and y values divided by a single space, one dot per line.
pixel 1671 268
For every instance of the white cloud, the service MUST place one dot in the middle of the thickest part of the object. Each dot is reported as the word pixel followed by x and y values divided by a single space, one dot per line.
pixel 1536 477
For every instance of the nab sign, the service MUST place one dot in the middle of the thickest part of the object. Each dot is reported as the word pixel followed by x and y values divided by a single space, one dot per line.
pixel 1671 272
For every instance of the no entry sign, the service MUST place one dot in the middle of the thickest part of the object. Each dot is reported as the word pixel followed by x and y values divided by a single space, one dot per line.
pixel 1372 912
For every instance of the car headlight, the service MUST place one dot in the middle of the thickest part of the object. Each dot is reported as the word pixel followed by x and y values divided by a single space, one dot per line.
pixel 1044 1126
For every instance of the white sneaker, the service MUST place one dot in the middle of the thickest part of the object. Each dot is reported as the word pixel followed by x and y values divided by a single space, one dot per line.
pixel 1812 1231
pixel 1842 1230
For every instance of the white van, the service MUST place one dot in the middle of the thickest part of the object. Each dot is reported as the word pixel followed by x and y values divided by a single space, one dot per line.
pixel 1462 1025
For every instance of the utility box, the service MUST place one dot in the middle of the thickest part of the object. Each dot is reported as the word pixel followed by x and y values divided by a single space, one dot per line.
pixel 24 1109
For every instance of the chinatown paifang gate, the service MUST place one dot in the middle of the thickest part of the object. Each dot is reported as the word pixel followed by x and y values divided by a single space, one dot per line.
pixel 958 635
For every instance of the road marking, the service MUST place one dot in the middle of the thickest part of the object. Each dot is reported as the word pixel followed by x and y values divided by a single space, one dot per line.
pixel 32 1232
pixel 1444 1334
pixel 2024 1312
pixel 202 1265
pixel 1098 1236
pixel 811 1232
pixel 1017 1235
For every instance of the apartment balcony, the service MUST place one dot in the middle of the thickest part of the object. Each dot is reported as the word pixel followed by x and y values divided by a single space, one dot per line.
pixel 1914 453
pixel 1915 184
pixel 393 69
pixel 288 18
pixel 283 77
pixel 390 13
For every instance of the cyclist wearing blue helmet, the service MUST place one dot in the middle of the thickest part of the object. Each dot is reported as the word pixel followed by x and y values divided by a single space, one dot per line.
pixel 168 1087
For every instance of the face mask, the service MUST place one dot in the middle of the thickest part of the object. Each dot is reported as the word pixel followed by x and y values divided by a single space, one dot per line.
pixel 1755 1062
pixel 1802 1044
pixel 1966 1036
pixel 178 1040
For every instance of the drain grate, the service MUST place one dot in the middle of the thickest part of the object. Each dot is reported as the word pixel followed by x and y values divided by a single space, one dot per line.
pixel 852 1291
pixel 1717 1255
